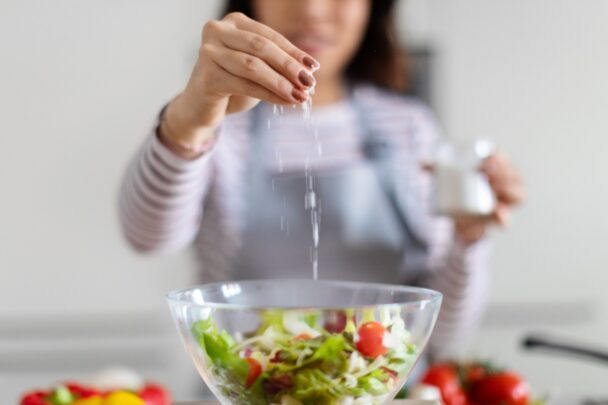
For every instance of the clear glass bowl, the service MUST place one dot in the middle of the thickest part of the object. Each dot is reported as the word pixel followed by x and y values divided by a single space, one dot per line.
pixel 304 342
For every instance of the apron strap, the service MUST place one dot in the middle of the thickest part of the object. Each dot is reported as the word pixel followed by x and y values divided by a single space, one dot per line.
pixel 380 154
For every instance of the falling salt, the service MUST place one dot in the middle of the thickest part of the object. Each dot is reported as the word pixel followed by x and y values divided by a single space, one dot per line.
pixel 311 202
pixel 307 106
pixel 314 258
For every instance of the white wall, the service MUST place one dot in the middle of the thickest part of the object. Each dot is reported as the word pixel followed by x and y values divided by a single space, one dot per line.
pixel 532 75
pixel 80 84
pixel 81 81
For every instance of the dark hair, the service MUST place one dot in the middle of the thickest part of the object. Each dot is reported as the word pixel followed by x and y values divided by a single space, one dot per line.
pixel 379 60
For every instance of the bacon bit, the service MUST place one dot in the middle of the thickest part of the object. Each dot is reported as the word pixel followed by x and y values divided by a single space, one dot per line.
pixel 392 373
pixel 277 384
pixel 303 336
pixel 335 321
pixel 277 357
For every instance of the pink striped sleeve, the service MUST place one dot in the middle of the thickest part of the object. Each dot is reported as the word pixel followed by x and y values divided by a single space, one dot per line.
pixel 161 198
pixel 461 275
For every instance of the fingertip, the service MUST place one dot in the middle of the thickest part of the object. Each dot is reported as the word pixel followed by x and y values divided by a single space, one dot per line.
pixel 489 166
pixel 299 96
pixel 503 217
pixel 311 63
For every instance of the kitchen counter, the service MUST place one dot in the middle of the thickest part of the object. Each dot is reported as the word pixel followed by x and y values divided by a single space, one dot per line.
pixel 401 402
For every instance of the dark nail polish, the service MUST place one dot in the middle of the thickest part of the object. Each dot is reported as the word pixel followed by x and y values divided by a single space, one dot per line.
pixel 311 63
pixel 306 79
pixel 299 95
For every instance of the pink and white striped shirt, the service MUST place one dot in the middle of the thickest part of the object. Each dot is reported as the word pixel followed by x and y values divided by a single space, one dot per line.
pixel 168 203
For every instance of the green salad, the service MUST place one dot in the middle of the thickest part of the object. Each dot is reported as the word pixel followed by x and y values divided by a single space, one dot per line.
pixel 295 357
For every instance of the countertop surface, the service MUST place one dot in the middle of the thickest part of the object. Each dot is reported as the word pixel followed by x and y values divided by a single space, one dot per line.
pixel 402 402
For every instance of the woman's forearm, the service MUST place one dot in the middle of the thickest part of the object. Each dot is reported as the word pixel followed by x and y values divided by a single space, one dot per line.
pixel 161 198
pixel 186 133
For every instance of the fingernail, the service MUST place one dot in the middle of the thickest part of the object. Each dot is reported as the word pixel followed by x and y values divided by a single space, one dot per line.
pixel 311 63
pixel 306 78
pixel 299 95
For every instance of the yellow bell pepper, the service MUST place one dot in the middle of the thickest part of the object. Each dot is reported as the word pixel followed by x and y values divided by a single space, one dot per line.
pixel 94 400
pixel 123 398
pixel 115 398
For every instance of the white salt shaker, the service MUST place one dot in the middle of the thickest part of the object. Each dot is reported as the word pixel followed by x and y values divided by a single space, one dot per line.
pixel 461 189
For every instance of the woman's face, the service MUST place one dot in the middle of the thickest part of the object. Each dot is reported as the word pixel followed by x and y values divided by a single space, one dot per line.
pixel 329 30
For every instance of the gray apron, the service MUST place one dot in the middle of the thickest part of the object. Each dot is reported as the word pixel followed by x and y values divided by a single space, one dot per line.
pixel 363 230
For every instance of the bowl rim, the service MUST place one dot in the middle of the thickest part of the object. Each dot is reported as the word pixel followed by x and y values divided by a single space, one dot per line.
pixel 433 296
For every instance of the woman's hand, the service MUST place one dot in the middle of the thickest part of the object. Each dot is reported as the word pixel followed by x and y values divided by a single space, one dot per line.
pixel 240 62
pixel 509 191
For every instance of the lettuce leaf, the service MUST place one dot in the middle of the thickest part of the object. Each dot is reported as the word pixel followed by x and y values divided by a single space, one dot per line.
pixel 313 386
pixel 218 346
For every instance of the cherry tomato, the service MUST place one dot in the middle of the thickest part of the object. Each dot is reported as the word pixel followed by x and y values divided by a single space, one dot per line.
pixel 500 389
pixel 445 377
pixel 255 369
pixel 153 394
pixel 458 398
pixel 370 339
pixel 35 398
pixel 475 373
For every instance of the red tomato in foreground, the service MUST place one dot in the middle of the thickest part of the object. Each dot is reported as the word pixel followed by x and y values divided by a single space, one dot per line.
pixel 444 377
pixel 34 398
pixel 255 369
pixel 155 395
pixel 81 391
pixel 370 339
pixel 500 389
pixel 474 373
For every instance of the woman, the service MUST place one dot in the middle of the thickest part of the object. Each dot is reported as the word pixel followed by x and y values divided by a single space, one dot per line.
pixel 224 172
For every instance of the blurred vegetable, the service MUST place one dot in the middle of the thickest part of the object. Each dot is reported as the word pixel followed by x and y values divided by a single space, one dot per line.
pixel 500 389
pixel 476 383
pixel 94 400
pixel 35 398
pixel 81 391
pixel 445 377
pixel 123 398
pixel 77 394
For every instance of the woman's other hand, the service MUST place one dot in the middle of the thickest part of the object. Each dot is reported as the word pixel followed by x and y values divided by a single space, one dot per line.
pixel 240 62
pixel 508 188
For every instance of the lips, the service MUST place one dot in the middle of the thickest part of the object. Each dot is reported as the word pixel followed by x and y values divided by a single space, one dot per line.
pixel 311 44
